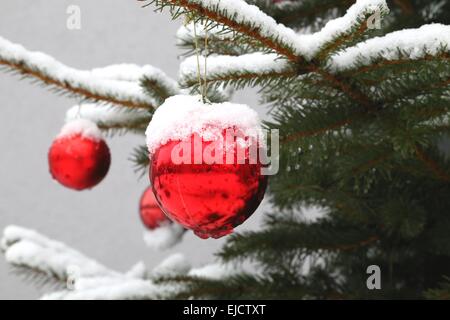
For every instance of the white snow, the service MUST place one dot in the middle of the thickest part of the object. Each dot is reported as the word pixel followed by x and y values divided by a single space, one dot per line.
pixel 214 271
pixel 186 32
pixel 93 281
pixel 181 116
pixel 24 247
pixel 413 43
pixel 164 237
pixel 303 45
pixel 138 271
pixel 222 66
pixel 83 127
pixel 108 288
pixel 95 82
pixel 243 13
pixel 106 115
pixel 311 44
pixel 176 264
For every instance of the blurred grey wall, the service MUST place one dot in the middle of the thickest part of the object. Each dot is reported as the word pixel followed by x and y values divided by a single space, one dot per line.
pixel 102 223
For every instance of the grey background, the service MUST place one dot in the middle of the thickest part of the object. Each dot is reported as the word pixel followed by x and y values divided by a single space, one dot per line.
pixel 102 223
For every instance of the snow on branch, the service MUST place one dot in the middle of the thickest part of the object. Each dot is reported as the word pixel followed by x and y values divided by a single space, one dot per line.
pixel 89 279
pixel 110 117
pixel 243 18
pixel 29 249
pixel 238 70
pixel 109 288
pixel 337 32
pixel 249 20
pixel 100 85
pixel 410 44
pixel 86 279
pixel 156 83
pixel 186 33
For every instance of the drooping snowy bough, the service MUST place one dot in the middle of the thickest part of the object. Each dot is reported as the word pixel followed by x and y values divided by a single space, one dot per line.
pixel 79 277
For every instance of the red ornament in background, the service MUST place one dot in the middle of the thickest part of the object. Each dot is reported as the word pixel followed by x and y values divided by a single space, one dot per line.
pixel 210 199
pixel 79 157
pixel 151 214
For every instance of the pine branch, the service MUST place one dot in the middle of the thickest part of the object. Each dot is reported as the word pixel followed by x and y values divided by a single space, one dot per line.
pixel 43 261
pixel 308 14
pixel 250 69
pixel 294 236
pixel 220 40
pixel 72 82
pixel 397 45
pixel 140 159
pixel 242 286
pixel 111 119
pixel 441 293
pixel 241 18
pixel 432 165
pixel 28 249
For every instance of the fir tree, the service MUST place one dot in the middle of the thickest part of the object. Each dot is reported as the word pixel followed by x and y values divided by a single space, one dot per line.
pixel 363 116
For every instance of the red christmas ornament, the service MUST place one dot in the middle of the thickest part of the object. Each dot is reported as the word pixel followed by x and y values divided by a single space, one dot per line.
pixel 210 198
pixel 79 157
pixel 151 214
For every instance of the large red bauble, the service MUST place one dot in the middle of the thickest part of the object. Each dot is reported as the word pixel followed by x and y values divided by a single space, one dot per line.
pixel 210 199
pixel 79 162
pixel 151 214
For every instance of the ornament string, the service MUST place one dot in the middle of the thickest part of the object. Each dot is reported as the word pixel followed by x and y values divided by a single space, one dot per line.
pixel 203 87
pixel 205 82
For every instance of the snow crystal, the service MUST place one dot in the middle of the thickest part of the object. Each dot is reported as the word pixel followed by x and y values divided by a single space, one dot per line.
pixel 164 237
pixel 85 128
pixel 217 66
pixel 106 115
pixel 175 264
pixel 414 43
pixel 181 116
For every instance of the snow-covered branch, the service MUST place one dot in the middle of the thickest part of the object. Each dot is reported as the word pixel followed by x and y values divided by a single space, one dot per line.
pixel 110 117
pixel 29 249
pixel 253 67
pixel 411 44
pixel 116 84
pixel 84 278
pixel 340 31
pixel 243 18
pixel 249 20
pixel 212 39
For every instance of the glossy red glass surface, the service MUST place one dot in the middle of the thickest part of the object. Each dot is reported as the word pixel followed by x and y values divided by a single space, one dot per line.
pixel 151 214
pixel 78 162
pixel 210 199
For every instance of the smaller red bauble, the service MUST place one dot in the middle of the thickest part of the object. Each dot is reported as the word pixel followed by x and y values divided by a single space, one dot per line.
pixel 79 158
pixel 151 214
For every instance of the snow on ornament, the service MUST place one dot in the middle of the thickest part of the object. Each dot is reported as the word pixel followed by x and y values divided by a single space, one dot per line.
pixel 79 158
pixel 204 165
